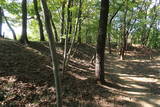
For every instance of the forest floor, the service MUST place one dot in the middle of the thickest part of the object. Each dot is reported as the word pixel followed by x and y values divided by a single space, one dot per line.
pixel 26 78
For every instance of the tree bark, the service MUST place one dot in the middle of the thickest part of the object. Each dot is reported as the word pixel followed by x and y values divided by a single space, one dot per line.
pixel 24 38
pixel 109 43
pixel 67 33
pixel 101 40
pixel 53 52
pixel 62 22
pixel 42 38
pixel 75 35
pixel 124 34
pixel 80 21
pixel 1 21
pixel 70 18
pixel 10 27
pixel 54 28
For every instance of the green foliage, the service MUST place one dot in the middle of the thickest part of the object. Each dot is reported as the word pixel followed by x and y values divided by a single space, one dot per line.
pixel 142 16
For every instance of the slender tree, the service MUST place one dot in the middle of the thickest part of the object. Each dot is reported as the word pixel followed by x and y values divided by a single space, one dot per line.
pixel 42 38
pixel 67 35
pixel 10 27
pixel 54 28
pixel 24 38
pixel 53 52
pixel 100 48
pixel 110 28
pixel 62 22
pixel 1 20
pixel 76 28
pixel 124 34
pixel 80 21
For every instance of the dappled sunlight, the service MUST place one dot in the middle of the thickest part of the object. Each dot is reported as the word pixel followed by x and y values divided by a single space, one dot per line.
pixel 34 50
pixel 136 77
pixel 120 66
pixel 140 79
pixel 137 86
pixel 111 89
pixel 132 82
pixel 155 66
pixel 8 79
pixel 135 94
pixel 149 101
pixel 77 76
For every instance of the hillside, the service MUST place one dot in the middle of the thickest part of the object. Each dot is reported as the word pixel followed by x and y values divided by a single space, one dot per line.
pixel 26 78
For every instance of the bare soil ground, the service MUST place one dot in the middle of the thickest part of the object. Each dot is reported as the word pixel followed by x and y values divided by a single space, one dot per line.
pixel 26 78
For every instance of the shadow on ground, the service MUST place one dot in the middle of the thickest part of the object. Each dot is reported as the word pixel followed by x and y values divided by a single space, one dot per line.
pixel 26 79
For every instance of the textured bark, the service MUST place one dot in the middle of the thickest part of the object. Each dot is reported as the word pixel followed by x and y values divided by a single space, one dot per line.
pixel 101 40
pixel 124 34
pixel 10 27
pixel 67 34
pixel 80 21
pixel 53 52
pixel 76 28
pixel 109 43
pixel 1 20
pixel 62 22
pixel 70 18
pixel 42 38
pixel 24 38
pixel 54 28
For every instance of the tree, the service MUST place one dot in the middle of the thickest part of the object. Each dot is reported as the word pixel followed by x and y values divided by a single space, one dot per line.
pixel 54 28
pixel 24 38
pixel 10 27
pixel 124 35
pixel 110 28
pixel 76 29
pixel 100 47
pixel 1 20
pixel 62 21
pixel 67 34
pixel 42 38
pixel 53 52
pixel 80 21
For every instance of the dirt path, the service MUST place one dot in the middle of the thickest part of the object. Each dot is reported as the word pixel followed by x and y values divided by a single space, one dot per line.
pixel 138 80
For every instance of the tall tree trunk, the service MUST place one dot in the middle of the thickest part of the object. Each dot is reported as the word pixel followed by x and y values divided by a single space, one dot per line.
pixel 70 20
pixel 80 21
pixel 144 33
pixel 54 28
pixel 1 21
pixel 101 40
pixel 67 33
pixel 62 22
pixel 53 53
pixel 24 38
pixel 10 27
pixel 109 43
pixel 74 37
pixel 110 29
pixel 124 34
pixel 72 44
pixel 70 23
pixel 109 37
pixel 42 38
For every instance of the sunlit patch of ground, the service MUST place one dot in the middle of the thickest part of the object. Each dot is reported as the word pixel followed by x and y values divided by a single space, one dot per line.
pixel 138 78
